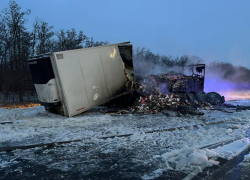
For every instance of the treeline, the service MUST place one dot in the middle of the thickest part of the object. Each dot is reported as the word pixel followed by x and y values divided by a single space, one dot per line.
pixel 17 44
pixel 228 72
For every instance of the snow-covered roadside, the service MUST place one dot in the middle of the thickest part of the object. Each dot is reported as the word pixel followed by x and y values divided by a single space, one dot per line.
pixel 178 150
pixel 195 160
pixel 241 102
pixel 238 168
pixel 233 149
pixel 36 122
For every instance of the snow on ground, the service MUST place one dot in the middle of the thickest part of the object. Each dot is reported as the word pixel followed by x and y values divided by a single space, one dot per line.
pixel 180 150
pixel 7 163
pixel 247 158
pixel 233 149
pixel 31 122
pixel 189 158
pixel 242 102
pixel 240 170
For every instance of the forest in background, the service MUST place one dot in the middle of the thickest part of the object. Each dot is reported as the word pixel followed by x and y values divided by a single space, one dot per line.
pixel 18 44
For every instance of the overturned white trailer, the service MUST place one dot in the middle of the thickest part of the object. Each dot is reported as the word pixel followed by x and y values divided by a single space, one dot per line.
pixel 71 82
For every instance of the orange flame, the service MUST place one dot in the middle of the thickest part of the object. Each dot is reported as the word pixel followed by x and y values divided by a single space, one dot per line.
pixel 21 106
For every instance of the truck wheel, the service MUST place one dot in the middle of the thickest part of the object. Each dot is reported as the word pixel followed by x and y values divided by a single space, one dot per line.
pixel 52 110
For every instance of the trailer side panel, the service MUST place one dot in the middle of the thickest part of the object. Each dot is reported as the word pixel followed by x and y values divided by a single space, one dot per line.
pixel 72 82
pixel 113 70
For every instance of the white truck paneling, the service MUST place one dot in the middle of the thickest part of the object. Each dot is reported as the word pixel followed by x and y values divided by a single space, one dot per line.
pixel 84 78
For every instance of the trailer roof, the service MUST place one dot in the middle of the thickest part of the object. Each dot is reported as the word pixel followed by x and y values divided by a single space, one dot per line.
pixel 48 54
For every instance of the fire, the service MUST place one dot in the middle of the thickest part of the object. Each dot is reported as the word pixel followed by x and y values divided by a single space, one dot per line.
pixel 13 106
pixel 235 95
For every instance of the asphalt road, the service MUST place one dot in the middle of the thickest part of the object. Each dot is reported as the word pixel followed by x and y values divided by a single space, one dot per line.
pixel 115 166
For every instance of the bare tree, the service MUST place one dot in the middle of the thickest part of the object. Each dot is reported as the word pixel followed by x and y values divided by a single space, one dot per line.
pixel 14 47
pixel 69 39
pixel 15 21
pixel 91 43
pixel 34 36
pixel 17 45
pixel 44 37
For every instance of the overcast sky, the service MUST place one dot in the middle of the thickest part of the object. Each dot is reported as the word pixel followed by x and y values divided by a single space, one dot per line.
pixel 211 29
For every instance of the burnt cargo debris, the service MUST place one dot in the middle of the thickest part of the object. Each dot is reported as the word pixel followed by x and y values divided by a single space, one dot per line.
pixel 172 91
pixel 174 82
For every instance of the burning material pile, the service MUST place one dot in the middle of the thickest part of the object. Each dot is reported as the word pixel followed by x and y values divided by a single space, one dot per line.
pixel 158 93
pixel 171 91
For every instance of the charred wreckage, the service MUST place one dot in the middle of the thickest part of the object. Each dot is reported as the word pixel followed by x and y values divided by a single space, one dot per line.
pixel 182 92
pixel 74 81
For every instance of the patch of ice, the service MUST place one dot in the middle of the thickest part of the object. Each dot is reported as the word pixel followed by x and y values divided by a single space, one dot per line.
pixel 30 113
pixel 241 102
pixel 4 164
pixel 190 158
pixel 153 175
pixel 229 131
pixel 107 151
pixel 233 149
pixel 156 156
pixel 247 158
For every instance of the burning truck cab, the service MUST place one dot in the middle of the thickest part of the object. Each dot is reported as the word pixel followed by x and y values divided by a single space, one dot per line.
pixel 190 79
pixel 71 82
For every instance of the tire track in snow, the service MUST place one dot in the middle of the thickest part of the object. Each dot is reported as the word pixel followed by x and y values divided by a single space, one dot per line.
pixel 8 149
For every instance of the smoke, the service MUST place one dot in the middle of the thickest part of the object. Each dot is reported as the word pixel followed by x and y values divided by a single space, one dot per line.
pixel 147 63
pixel 222 85
pixel 226 79
pixel 145 68
pixel 220 77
